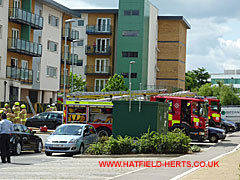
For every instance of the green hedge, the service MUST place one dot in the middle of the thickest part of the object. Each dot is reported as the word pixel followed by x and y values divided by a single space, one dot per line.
pixel 150 142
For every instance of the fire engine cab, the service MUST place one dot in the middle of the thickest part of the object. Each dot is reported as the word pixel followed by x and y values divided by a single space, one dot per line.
pixel 214 112
pixel 189 114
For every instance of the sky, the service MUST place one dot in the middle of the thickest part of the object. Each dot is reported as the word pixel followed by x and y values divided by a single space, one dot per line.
pixel 213 42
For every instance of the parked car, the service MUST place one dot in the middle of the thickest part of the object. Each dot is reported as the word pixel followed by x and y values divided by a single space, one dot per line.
pixel 71 139
pixel 50 119
pixel 23 139
pixel 215 134
pixel 228 126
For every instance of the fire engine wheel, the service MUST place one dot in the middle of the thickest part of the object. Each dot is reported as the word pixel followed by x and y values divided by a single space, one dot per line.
pixel 102 131
pixel 213 138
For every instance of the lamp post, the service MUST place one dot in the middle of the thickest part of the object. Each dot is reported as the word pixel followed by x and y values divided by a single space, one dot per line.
pixel 74 41
pixel 232 92
pixel 65 59
pixel 130 83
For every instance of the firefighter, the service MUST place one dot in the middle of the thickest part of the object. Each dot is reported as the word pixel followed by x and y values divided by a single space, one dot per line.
pixel 16 111
pixel 54 108
pixel 7 110
pixel 1 112
pixel 48 108
pixel 23 114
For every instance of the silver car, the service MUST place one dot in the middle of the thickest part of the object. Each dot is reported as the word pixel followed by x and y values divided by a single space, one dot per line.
pixel 70 138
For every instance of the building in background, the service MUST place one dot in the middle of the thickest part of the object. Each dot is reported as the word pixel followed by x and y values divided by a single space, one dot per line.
pixel 171 59
pixel 229 77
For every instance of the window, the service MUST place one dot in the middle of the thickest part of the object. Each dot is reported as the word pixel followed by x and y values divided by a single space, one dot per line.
pixel 125 75
pixel 80 62
pixel 53 20
pixel 52 46
pixel 38 72
pixel 80 22
pixel 24 64
pixel 1 2
pixel 51 71
pixel 103 24
pixel 100 84
pixel 135 12
pixel 14 62
pixel 102 45
pixel 24 70
pixel 130 33
pixel 127 13
pixel 133 75
pixel 129 54
pixel 101 66
pixel 80 43
pixel 1 30
pixel 131 13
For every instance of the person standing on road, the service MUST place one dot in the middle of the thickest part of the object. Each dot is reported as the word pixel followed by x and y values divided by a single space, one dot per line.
pixel 23 114
pixel 6 129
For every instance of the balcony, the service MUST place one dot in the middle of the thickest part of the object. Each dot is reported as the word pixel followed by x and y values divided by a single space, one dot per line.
pixel 21 16
pixel 62 82
pixel 71 34
pixel 98 50
pixel 101 30
pixel 98 70
pixel 23 75
pixel 72 61
pixel 24 47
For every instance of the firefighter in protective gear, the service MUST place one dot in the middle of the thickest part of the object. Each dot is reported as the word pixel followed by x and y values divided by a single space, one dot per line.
pixel 54 108
pixel 48 108
pixel 7 110
pixel 23 114
pixel 1 112
pixel 16 110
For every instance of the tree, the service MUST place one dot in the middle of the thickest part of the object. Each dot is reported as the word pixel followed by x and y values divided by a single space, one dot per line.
pixel 78 82
pixel 196 78
pixel 115 83
pixel 226 94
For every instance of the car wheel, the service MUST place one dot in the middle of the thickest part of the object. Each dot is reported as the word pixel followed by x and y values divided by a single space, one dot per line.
pixel 102 131
pixel 213 138
pixel 48 153
pixel 39 149
pixel 225 129
pixel 18 148
pixel 81 149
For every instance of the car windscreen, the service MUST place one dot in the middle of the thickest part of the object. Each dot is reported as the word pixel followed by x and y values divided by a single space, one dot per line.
pixel 68 130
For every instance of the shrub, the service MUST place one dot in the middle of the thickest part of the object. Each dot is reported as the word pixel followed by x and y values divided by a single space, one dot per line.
pixel 195 148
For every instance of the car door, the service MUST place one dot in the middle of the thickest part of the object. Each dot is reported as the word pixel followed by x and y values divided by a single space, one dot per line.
pixel 87 139
pixel 51 120
pixel 93 134
pixel 23 138
pixel 39 120
pixel 31 138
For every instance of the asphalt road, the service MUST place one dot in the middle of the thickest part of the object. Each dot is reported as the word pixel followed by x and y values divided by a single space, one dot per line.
pixel 59 166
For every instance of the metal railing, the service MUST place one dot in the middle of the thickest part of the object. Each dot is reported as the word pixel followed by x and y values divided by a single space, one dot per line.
pixel 71 34
pixel 98 70
pixel 22 16
pixel 98 50
pixel 23 75
pixel 70 61
pixel 24 47
pixel 99 29
pixel 62 82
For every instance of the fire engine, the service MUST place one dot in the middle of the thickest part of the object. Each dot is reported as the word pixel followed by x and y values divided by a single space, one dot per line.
pixel 187 113
pixel 214 112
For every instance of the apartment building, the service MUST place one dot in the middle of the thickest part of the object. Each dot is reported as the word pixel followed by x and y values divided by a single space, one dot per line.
pixel 171 59
pixel 98 46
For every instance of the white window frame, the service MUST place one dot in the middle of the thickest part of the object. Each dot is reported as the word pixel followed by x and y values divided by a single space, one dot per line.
pixel 76 44
pixel 24 69
pixel 50 20
pixel 100 47
pixel 15 37
pixel 50 71
pixel 38 72
pixel 50 44
pixel 102 66
pixel 103 27
pixel 98 89
pixel 81 20
pixel 15 62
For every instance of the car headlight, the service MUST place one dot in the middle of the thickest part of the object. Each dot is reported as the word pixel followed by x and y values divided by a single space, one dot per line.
pixel 48 140
pixel 73 141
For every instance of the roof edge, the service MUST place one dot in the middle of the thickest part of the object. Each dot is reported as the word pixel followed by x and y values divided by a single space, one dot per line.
pixel 175 18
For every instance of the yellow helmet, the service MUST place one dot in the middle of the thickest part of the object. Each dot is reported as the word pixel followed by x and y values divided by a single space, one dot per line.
pixel 6 104
pixel 1 111
pixel 23 106
pixel 17 103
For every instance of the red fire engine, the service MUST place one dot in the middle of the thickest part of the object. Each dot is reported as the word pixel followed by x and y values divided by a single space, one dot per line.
pixel 190 114
pixel 214 112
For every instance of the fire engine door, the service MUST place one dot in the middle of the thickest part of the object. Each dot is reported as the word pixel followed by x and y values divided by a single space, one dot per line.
pixel 176 112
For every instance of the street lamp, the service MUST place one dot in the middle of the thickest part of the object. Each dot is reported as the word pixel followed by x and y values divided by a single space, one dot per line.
pixel 74 41
pixel 130 83
pixel 65 59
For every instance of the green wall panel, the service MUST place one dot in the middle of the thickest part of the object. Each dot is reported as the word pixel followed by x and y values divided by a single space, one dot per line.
pixel 26 30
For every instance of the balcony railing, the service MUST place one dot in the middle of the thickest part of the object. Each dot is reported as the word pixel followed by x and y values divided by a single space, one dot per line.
pixel 23 75
pixel 70 61
pixel 70 33
pixel 99 29
pixel 93 88
pixel 98 50
pixel 24 47
pixel 98 70
pixel 62 82
pixel 24 17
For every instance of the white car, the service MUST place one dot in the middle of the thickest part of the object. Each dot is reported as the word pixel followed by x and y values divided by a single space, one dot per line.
pixel 71 139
